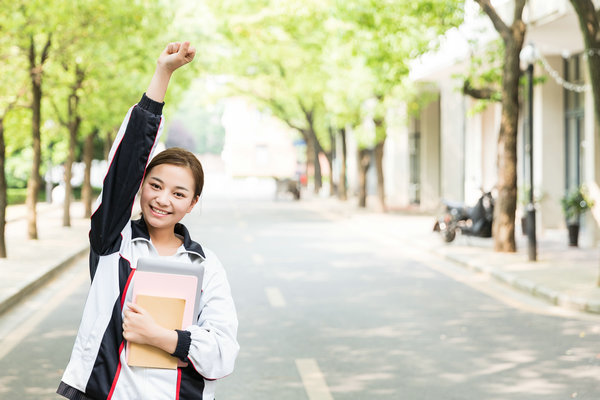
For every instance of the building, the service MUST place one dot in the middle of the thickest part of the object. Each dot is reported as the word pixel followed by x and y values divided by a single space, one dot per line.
pixel 448 151
pixel 257 144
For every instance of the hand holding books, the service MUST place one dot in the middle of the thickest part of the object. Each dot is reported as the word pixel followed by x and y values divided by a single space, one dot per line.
pixel 140 327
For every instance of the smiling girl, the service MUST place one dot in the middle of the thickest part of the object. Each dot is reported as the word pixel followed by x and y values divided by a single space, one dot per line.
pixel 171 184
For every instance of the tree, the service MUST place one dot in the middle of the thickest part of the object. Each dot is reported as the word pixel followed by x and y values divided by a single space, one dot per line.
pixel 512 36
pixel 13 91
pixel 275 58
pixel 33 23
pixel 36 68
pixel 387 39
pixel 72 122
pixel 285 50
pixel 11 104
pixel 82 69
pixel 104 50
pixel 589 23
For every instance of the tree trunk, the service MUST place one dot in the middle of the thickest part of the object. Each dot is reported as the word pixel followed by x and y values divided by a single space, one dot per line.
pixel 86 189
pixel 590 28
pixel 380 180
pixel 73 123
pixel 318 175
pixel 310 155
pixel 107 144
pixel 364 160
pixel 330 157
pixel 32 182
pixel 342 190
pixel 3 199
pixel 35 73
pixel 379 146
pixel 69 174
pixel 506 204
pixel 313 146
pixel 332 187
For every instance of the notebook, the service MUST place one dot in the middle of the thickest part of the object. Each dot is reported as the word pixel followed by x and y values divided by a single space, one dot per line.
pixel 176 284
pixel 168 313
pixel 166 266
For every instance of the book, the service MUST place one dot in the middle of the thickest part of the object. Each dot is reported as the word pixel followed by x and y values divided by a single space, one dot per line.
pixel 167 279
pixel 172 279
pixel 166 312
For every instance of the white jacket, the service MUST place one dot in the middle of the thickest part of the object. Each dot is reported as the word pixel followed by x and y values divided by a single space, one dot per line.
pixel 98 368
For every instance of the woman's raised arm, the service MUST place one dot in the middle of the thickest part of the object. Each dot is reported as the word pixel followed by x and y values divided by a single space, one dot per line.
pixel 173 56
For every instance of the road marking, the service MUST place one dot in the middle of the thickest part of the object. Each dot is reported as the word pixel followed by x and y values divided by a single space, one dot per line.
pixel 275 297
pixel 15 337
pixel 313 379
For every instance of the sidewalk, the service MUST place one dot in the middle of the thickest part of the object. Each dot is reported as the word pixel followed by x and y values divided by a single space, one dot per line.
pixel 564 276
pixel 31 263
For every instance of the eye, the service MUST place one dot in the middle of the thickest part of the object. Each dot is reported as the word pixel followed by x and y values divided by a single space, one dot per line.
pixel 154 185
pixel 179 195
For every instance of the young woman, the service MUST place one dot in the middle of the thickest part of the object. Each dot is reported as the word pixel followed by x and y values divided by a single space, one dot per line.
pixel 170 187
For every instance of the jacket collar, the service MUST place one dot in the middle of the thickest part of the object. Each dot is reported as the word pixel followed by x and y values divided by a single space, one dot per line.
pixel 139 230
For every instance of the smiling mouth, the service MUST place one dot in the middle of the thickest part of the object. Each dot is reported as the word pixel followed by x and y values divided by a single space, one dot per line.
pixel 159 212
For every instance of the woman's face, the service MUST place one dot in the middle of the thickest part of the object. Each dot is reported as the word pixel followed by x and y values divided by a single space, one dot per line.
pixel 167 195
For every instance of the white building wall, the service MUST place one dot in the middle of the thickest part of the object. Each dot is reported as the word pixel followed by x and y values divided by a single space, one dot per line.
pixel 256 144
pixel 492 119
pixel 473 155
pixel 395 159
pixel 452 141
pixel 430 156
pixel 548 146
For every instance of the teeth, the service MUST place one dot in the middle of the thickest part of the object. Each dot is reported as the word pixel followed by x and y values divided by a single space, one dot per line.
pixel 159 211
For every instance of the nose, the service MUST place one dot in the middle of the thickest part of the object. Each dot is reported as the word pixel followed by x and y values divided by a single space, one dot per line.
pixel 162 198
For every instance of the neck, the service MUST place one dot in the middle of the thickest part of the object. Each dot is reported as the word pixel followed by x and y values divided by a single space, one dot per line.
pixel 162 237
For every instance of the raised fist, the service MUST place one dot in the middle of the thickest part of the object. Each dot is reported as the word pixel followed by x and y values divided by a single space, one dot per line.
pixel 175 55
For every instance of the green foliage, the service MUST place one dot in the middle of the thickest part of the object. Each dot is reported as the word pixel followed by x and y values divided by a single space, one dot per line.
pixel 484 72
pixel 114 43
pixel 576 202
pixel 327 57
pixel 317 63
pixel 17 168
pixel 19 195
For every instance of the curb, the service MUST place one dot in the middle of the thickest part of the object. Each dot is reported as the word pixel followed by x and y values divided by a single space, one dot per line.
pixel 35 284
pixel 524 285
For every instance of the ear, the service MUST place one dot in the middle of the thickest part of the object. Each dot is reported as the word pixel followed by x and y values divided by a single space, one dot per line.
pixel 192 204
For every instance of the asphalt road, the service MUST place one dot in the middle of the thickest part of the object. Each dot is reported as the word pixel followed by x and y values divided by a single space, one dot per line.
pixel 331 307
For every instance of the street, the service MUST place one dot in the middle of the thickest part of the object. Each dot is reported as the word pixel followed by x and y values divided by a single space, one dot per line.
pixel 333 305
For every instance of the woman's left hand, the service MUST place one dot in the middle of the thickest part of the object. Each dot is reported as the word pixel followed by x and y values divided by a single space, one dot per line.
pixel 138 325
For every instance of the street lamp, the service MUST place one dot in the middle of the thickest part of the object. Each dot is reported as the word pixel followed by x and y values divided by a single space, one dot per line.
pixel 528 55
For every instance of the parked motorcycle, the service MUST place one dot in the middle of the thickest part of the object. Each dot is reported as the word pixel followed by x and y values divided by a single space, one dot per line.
pixel 470 221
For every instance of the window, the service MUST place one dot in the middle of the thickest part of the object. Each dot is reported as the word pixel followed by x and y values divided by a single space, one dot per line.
pixel 574 113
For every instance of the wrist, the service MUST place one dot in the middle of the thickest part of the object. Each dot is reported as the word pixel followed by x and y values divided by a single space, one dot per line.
pixel 165 339
pixel 159 83
pixel 163 69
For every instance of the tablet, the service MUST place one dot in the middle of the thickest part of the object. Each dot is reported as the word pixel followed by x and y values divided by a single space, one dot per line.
pixel 167 266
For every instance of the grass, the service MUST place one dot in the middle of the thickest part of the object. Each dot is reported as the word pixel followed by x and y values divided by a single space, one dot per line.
pixel 18 195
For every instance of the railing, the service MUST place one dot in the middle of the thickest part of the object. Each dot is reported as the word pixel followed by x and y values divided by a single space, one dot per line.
pixel 536 11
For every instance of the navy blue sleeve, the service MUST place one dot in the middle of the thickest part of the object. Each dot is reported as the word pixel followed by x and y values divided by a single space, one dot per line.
pixel 184 340
pixel 127 165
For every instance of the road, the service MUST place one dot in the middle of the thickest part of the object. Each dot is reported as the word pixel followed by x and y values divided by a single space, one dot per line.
pixel 332 306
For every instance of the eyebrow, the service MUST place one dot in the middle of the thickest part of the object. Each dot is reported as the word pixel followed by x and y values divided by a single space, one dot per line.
pixel 162 182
